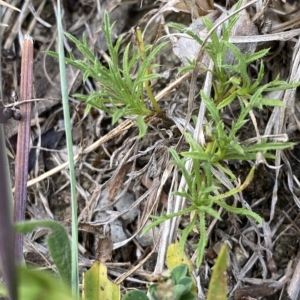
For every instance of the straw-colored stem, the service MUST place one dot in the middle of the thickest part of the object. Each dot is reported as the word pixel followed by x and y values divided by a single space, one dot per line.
pixel 148 88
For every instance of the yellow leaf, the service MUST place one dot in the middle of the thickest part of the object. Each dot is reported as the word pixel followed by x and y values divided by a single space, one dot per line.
pixel 176 257
pixel 96 285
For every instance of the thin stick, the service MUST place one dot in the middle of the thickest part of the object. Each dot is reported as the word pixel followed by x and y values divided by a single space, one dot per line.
pixel 21 168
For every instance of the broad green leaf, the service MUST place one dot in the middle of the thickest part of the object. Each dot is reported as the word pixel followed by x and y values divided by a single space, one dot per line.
pixel 37 284
pixel 179 292
pixel 178 272
pixel 186 281
pixel 58 244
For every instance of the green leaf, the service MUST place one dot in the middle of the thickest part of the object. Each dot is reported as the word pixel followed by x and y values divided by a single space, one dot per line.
pixel 217 289
pixel 35 284
pixel 241 66
pixel 203 240
pixel 227 101
pixel 240 211
pixel 179 291
pixel 256 55
pixel 165 217
pixel 185 30
pixel 58 244
pixel 179 272
pixel 118 113
pixel 197 155
pixel 121 91
pixel 186 231
pixel 186 69
pixel 181 165
pixel 135 295
pixel 270 102
pixel 184 195
pixel 211 106
pixel 146 63
pixel 141 125
pixel 238 148
pixel 215 41
pixel 210 211
pixel 82 46
pixel 186 281
pixel 265 146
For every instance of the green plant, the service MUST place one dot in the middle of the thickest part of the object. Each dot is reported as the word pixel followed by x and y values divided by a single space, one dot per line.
pixel 121 88
pixel 230 83
pixel 135 295
pixel 177 287
pixel 58 244
pixel 121 94
pixel 32 283
pixel 37 284
pixel 217 289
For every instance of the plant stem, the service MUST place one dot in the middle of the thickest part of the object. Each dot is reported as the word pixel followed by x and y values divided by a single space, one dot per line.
pixel 23 143
pixel 64 92
pixel 148 89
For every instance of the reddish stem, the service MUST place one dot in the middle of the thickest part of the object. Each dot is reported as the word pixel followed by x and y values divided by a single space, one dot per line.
pixel 21 167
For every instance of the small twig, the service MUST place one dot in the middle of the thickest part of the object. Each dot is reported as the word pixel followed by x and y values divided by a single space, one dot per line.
pixel 17 103
pixel 21 167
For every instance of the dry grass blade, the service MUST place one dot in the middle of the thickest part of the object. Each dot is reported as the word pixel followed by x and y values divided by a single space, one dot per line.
pixel 8 5
pixel 294 286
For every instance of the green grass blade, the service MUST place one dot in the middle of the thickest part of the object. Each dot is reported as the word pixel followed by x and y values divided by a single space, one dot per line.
pixel 66 110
